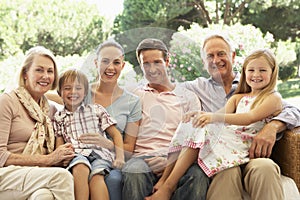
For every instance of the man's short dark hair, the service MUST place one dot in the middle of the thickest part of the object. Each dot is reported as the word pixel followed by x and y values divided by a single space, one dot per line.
pixel 152 44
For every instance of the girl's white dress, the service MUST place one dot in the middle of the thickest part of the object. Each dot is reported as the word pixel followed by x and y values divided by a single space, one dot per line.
pixel 221 146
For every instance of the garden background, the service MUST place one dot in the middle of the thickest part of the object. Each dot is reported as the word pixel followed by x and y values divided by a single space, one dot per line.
pixel 72 29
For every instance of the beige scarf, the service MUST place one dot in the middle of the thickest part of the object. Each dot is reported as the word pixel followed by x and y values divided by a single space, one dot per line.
pixel 42 138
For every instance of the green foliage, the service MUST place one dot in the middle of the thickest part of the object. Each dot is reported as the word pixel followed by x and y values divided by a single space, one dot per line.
pixel 281 18
pixel 290 88
pixel 287 72
pixel 143 19
pixel 66 27
pixel 154 13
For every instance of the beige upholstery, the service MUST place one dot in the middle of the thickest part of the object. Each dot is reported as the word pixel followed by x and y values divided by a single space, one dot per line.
pixel 286 153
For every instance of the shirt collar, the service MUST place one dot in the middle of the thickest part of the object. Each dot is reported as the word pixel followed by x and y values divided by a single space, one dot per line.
pixel 148 88
pixel 236 79
pixel 80 108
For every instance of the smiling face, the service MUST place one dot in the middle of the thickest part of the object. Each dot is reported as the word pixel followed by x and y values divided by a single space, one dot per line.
pixel 258 74
pixel 39 77
pixel 154 66
pixel 110 63
pixel 73 94
pixel 218 59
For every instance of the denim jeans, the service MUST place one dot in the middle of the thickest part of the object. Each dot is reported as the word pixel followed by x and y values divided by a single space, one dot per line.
pixel 139 180
pixel 114 184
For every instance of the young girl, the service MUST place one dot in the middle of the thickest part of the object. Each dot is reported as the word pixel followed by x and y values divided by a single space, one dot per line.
pixel 92 162
pixel 219 146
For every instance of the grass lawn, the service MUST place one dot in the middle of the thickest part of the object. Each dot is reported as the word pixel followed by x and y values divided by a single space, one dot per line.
pixel 290 91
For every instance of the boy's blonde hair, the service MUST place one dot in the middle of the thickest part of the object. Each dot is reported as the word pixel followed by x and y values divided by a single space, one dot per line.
pixel 243 87
pixel 72 75
pixel 31 53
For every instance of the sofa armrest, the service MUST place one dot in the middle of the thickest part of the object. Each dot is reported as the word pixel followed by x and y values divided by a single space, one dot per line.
pixel 286 153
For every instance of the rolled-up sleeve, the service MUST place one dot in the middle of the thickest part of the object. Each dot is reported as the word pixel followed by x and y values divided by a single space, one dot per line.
pixel 290 115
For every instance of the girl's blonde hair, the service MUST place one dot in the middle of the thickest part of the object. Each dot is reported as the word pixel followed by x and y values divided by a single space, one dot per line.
pixel 71 75
pixel 243 87
pixel 31 53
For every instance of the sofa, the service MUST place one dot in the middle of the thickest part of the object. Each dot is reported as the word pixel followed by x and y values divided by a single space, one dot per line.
pixel 286 153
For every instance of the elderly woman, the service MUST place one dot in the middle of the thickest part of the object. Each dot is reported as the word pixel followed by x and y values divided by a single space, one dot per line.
pixel 26 137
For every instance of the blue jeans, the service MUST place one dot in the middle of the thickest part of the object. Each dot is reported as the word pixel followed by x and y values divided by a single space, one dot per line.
pixel 139 180
pixel 114 184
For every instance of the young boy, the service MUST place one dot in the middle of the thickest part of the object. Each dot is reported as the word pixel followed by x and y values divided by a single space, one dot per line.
pixel 92 162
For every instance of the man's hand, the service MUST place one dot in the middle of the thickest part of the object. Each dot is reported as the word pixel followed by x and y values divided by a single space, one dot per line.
pixel 157 164
pixel 264 141
pixel 118 163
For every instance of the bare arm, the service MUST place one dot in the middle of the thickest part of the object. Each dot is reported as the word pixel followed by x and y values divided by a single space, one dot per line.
pixel 230 107
pixel 131 132
pixel 186 158
pixel 270 106
pixel 119 149
pixel 59 140
pixel 170 165
pixel 64 152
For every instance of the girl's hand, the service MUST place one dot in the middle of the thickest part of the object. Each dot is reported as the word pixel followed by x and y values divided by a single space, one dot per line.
pixel 202 119
pixel 188 116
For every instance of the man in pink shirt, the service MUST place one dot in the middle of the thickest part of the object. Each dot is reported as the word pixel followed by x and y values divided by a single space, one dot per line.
pixel 163 105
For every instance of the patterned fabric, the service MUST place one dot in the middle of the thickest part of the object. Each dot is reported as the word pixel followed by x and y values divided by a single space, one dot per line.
pixel 92 118
pixel 221 146
pixel 42 138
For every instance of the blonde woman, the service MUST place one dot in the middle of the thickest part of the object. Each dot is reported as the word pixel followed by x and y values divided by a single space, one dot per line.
pixel 27 140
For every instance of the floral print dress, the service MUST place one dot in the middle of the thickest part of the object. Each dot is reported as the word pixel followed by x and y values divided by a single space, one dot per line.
pixel 220 145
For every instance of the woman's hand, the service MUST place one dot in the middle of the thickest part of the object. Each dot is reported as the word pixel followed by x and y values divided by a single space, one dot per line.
pixel 118 163
pixel 96 139
pixel 62 155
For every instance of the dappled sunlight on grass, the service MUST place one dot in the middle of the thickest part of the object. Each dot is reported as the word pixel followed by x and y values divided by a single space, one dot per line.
pixel 290 88
pixel 290 91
